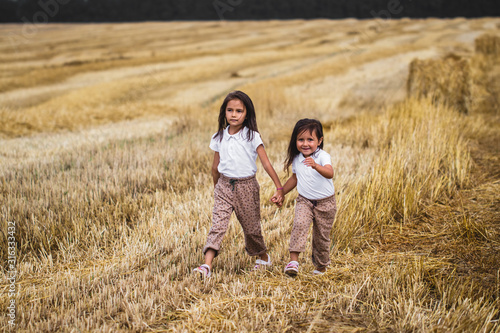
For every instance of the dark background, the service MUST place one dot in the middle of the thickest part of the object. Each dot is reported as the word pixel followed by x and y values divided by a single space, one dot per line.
pixel 43 11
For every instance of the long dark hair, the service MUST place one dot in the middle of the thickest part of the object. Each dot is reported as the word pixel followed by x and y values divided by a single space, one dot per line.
pixel 311 125
pixel 250 121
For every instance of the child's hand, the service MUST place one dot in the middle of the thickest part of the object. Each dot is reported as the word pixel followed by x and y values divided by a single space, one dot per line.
pixel 278 198
pixel 274 199
pixel 309 161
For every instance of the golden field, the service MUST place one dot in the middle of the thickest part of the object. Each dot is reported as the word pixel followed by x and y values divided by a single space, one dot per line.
pixel 105 171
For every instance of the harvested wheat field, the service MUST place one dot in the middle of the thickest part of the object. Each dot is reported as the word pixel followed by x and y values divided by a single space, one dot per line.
pixel 105 181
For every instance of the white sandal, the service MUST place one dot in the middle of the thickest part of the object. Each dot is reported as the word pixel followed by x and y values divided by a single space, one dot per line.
pixel 259 263
pixel 204 270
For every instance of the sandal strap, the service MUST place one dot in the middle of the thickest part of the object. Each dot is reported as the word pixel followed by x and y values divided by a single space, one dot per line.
pixel 204 270
pixel 264 263
pixel 259 263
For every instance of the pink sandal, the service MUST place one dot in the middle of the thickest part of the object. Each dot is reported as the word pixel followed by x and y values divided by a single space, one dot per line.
pixel 292 269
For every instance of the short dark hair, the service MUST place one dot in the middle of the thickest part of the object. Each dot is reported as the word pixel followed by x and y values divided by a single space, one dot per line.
pixel 311 125
pixel 250 121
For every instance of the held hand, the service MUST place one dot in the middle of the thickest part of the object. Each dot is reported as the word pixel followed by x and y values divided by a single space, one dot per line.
pixel 281 197
pixel 278 202
pixel 275 200
pixel 278 198
pixel 309 161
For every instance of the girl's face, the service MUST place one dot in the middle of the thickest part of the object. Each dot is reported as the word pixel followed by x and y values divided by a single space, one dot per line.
pixel 308 142
pixel 236 114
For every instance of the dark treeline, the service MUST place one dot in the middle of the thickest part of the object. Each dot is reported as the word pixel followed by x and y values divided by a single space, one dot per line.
pixel 42 11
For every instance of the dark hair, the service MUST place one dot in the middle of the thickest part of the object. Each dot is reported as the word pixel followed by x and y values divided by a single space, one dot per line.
pixel 311 125
pixel 250 121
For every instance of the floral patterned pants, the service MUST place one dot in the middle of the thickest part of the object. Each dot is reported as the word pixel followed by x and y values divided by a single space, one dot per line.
pixel 321 213
pixel 240 195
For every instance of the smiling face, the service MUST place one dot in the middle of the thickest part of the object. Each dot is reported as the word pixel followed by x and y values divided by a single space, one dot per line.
pixel 236 114
pixel 308 142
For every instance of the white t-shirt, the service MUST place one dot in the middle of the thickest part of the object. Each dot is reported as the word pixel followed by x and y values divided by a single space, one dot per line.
pixel 237 155
pixel 310 183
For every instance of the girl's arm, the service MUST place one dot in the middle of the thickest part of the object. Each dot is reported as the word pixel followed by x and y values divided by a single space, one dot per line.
pixel 289 185
pixel 270 170
pixel 215 171
pixel 324 170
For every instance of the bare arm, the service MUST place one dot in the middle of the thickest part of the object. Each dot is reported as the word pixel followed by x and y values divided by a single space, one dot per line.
pixel 215 164
pixel 290 184
pixel 269 168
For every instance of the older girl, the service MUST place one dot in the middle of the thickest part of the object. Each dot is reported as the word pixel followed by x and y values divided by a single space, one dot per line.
pixel 237 144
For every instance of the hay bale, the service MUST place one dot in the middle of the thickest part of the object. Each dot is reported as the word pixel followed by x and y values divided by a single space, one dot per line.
pixel 444 80
pixel 488 45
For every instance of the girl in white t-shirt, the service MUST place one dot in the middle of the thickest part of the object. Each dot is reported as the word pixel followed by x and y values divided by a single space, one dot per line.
pixel 237 144
pixel 312 174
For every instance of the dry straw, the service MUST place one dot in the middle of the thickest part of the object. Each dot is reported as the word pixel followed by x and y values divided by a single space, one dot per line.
pixel 485 66
pixel 445 80
pixel 488 44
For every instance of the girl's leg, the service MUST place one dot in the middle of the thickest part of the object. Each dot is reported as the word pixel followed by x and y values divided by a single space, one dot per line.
pixel 205 270
pixel 247 209
pixel 298 237
pixel 264 256
pixel 301 223
pixel 324 215
pixel 220 220
pixel 209 257
pixel 292 268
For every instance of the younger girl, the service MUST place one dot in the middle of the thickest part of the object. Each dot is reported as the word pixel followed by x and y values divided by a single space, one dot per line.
pixel 237 144
pixel 312 174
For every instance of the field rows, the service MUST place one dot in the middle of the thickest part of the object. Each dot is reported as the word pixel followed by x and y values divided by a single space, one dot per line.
pixel 105 168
